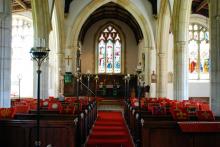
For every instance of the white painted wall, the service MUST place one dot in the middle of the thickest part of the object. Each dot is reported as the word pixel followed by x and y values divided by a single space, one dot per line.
pixel 199 89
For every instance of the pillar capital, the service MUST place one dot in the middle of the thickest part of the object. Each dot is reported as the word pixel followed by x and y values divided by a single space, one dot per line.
pixel 162 55
pixel 181 45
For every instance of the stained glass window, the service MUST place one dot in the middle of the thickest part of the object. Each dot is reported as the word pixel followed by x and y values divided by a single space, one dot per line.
pixel 109 51
pixel 22 66
pixel 198 52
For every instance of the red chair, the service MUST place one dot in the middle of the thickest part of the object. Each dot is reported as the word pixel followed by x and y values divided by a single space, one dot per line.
pixel 205 116
pixel 54 106
pixel 158 110
pixel 67 110
pixel 7 112
pixel 180 114
pixel 22 109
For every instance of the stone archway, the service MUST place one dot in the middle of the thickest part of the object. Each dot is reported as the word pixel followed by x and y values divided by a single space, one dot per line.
pixel 76 25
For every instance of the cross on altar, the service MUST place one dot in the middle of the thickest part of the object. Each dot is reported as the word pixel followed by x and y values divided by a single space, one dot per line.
pixel 68 59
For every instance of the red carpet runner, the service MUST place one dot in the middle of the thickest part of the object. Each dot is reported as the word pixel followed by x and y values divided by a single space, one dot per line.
pixel 109 131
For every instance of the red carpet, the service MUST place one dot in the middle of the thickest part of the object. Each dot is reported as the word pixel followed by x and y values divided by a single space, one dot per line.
pixel 109 131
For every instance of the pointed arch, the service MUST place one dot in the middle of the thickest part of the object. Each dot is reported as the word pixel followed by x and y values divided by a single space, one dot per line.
pixel 76 24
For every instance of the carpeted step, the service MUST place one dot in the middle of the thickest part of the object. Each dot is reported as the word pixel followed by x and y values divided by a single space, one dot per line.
pixel 109 128
pixel 109 123
pixel 109 134
pixel 108 143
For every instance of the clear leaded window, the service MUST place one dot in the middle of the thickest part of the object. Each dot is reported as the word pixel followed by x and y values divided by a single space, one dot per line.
pixel 199 63
pixel 109 51
pixel 22 66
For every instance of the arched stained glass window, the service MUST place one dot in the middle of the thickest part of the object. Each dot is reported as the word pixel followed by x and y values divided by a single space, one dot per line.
pixel 22 66
pixel 198 52
pixel 109 51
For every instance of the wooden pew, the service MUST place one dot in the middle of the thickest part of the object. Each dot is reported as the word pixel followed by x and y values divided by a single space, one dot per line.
pixel 24 125
pixel 169 134
pixel 22 133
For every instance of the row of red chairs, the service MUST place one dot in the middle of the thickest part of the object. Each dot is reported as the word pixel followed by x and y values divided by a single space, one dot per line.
pixel 69 106
pixel 180 110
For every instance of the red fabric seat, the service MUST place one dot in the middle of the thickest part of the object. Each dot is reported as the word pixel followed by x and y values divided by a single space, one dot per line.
pixel 22 109
pixel 67 109
pixel 54 105
pixel 205 115
pixel 180 114
pixel 7 112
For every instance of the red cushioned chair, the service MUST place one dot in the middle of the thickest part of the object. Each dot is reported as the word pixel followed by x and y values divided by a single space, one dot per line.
pixel 205 116
pixel 67 110
pixel 7 112
pixel 22 109
pixel 180 114
pixel 204 107
pixel 44 103
pixel 158 110
pixel 150 106
pixel 54 105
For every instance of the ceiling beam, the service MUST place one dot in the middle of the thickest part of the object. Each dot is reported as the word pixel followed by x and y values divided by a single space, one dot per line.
pixel 22 4
pixel 202 5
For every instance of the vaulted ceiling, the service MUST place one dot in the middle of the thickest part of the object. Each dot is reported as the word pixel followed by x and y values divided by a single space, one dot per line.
pixel 112 11
pixel 21 5
pixel 200 7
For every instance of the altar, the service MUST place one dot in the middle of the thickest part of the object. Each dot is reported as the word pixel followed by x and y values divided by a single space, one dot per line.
pixel 103 85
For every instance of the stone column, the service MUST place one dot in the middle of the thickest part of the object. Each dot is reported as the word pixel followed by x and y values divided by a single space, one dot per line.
pixel 162 75
pixel 5 52
pixel 61 72
pixel 147 65
pixel 180 70
pixel 181 15
pixel 214 16
pixel 151 68
pixel 42 28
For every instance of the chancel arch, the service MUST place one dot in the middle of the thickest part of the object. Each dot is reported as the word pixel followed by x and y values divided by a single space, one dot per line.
pixel 76 25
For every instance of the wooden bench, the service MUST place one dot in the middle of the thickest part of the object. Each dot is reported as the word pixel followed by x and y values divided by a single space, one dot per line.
pixel 22 133
pixel 169 134
pixel 61 130
pixel 162 127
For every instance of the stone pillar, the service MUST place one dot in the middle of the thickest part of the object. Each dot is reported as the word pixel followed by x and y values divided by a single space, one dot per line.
pixel 42 28
pixel 162 75
pixel 180 71
pixel 214 16
pixel 61 72
pixel 151 68
pixel 181 15
pixel 147 65
pixel 5 52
